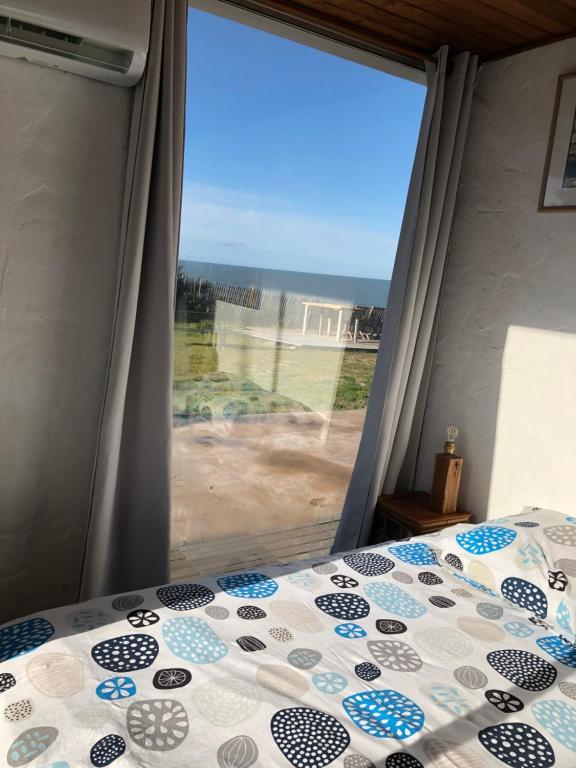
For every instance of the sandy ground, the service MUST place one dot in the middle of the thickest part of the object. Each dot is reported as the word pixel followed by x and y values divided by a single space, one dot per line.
pixel 261 473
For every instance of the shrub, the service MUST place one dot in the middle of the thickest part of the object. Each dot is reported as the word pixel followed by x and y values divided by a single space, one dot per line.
pixel 191 407
pixel 217 376
pixel 235 408
pixel 206 413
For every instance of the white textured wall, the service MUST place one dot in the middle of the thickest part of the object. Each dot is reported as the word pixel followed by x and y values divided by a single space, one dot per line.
pixel 505 360
pixel 62 156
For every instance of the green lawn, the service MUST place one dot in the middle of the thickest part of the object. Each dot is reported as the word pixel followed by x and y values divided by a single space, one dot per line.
pixel 201 385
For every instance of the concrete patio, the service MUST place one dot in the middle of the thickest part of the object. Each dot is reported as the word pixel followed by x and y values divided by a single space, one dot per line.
pixel 295 338
pixel 259 490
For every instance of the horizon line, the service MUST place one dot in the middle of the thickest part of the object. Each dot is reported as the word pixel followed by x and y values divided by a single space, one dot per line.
pixel 275 269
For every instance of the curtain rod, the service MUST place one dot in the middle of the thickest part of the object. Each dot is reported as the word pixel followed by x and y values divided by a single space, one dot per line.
pixel 320 24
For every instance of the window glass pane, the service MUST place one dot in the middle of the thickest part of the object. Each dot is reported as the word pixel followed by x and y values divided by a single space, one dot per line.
pixel 296 170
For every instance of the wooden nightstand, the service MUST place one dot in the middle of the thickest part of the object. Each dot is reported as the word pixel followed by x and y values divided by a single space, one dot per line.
pixel 410 515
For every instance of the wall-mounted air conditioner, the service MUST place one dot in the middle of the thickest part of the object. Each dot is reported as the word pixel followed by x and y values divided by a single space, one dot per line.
pixel 103 39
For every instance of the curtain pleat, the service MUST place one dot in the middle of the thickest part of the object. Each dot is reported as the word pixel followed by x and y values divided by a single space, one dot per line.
pixel 404 354
pixel 128 539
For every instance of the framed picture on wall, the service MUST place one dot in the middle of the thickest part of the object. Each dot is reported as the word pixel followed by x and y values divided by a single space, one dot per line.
pixel 558 191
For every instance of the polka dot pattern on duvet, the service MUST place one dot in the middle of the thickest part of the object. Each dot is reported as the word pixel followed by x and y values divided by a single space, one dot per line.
pixel 559 649
pixel 402 760
pixel 367 671
pixel 251 612
pixel 454 561
pixel 559 719
pixel 193 640
pixel 23 637
pixel 523 668
pixel 7 681
pixel 248 585
pixel 415 554
pixel 369 563
pixel 485 539
pixel 185 597
pixel 525 595
pixel 427 652
pixel 395 600
pixel 429 578
pixel 385 714
pixel 106 750
pixel 509 740
pixel 126 653
pixel 308 738
pixel 527 524
pixel 343 605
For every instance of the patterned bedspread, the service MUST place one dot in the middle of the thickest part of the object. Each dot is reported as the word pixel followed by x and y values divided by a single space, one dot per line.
pixel 449 651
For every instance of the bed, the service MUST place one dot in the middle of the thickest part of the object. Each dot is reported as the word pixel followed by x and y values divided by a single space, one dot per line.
pixel 453 650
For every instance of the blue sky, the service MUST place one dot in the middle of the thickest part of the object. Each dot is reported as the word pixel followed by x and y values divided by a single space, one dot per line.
pixel 295 159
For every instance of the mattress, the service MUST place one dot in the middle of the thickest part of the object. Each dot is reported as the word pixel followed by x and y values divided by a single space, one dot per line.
pixel 452 650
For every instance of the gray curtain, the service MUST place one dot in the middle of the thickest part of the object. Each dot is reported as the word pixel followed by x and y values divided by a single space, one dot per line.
pixel 128 540
pixel 404 355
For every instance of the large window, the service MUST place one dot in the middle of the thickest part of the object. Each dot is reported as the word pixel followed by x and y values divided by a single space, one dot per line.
pixel 296 170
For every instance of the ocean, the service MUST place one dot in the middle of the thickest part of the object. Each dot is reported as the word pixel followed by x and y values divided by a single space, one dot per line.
pixel 362 291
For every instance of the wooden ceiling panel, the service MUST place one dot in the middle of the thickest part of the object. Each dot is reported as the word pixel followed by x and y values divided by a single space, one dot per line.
pixel 363 14
pixel 564 13
pixel 467 37
pixel 524 12
pixel 489 28
pixel 460 14
pixel 496 18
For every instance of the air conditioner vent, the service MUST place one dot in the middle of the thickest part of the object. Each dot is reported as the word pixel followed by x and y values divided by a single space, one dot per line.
pixel 54 41
pixel 25 26
pixel 105 40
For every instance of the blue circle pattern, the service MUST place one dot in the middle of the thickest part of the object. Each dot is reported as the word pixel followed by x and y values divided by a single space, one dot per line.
pixel 21 638
pixel 384 714
pixel 518 629
pixel 329 682
pixel 563 617
pixel 559 719
pixel 559 649
pixel 116 689
pixel 394 600
pixel 415 554
pixel 193 640
pixel 451 698
pixel 248 585
pixel 485 539
pixel 350 631
pixel 530 554
pixel 303 579
pixel 475 584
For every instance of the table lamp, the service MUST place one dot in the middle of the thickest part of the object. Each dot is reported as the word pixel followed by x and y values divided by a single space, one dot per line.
pixel 447 471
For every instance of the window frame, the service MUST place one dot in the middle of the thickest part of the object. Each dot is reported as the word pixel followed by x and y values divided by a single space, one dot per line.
pixel 383 61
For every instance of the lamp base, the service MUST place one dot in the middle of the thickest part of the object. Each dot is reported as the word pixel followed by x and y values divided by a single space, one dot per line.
pixel 446 483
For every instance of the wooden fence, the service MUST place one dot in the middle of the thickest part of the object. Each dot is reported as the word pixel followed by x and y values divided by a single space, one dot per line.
pixel 196 301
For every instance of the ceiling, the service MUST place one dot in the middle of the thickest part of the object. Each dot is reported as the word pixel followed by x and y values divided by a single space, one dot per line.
pixel 415 28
